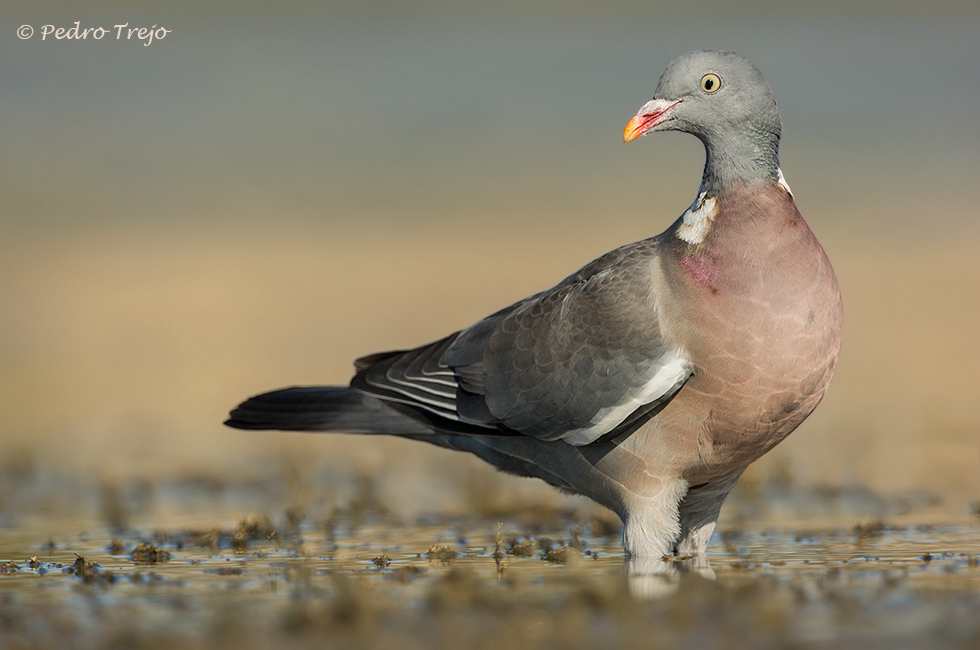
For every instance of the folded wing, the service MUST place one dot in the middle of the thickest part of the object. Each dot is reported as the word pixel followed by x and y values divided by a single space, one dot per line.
pixel 573 363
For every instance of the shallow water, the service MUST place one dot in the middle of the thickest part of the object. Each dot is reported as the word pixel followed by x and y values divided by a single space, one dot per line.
pixel 368 580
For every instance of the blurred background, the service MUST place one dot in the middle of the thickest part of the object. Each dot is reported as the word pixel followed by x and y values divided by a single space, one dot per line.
pixel 268 193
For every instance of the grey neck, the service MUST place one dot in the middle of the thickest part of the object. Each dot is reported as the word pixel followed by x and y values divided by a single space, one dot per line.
pixel 746 157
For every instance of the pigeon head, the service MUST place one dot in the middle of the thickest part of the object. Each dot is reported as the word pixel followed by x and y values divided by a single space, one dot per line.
pixel 721 98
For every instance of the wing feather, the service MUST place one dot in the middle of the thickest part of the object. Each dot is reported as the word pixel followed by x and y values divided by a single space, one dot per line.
pixel 572 363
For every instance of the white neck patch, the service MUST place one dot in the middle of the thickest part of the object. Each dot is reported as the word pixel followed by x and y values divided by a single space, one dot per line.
pixel 697 220
pixel 782 182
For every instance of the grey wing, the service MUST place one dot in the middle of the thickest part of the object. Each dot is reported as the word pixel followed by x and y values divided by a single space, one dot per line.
pixel 572 363
pixel 575 362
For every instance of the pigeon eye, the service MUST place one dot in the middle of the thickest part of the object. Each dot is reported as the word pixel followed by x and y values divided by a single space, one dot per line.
pixel 710 83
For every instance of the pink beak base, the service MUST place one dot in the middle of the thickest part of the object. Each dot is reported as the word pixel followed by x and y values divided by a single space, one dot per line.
pixel 654 112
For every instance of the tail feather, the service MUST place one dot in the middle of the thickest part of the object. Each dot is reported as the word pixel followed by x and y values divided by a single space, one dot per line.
pixel 343 409
pixel 323 408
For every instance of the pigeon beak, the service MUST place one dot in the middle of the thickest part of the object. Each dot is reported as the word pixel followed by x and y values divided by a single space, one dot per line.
pixel 653 113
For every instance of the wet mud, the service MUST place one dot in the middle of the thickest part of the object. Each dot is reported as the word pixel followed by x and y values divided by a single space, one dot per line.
pixel 363 577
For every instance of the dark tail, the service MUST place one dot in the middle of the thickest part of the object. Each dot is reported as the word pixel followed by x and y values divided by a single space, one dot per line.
pixel 323 408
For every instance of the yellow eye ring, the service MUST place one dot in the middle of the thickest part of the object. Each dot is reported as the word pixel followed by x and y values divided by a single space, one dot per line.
pixel 710 83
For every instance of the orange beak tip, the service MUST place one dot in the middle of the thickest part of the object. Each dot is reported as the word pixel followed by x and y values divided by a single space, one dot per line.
pixel 633 130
